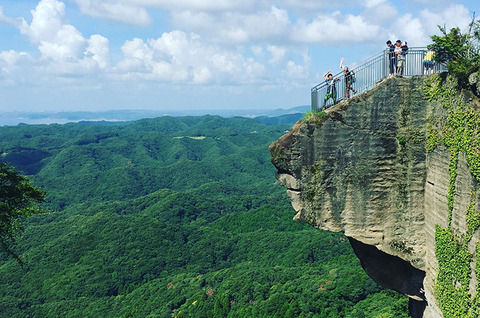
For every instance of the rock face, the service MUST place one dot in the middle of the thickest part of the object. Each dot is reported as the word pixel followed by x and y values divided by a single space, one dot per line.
pixel 363 170
pixel 474 80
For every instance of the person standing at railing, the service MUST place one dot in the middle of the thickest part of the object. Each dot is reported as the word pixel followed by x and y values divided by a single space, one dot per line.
pixel 401 53
pixel 392 60
pixel 428 62
pixel 331 89
pixel 349 79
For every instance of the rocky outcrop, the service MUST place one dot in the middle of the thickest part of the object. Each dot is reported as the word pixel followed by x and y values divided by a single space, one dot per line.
pixel 474 80
pixel 363 170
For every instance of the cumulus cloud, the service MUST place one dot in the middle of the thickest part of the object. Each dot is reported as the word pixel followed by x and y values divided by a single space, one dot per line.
pixel 307 7
pixel 61 44
pixel 10 21
pixel 380 12
pixel 410 29
pixel 373 3
pixel 236 27
pixel 174 57
pixel 10 59
pixel 417 30
pixel 275 26
pixel 294 70
pixel 136 11
pixel 178 57
pixel 98 50
pixel 128 12
pixel 278 53
pixel 15 67
pixel 335 29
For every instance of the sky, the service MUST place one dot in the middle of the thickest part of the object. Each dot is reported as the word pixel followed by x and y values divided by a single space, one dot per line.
pixel 97 55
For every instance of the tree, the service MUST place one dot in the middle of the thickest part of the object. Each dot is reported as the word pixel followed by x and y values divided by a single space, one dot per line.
pixel 18 200
pixel 459 51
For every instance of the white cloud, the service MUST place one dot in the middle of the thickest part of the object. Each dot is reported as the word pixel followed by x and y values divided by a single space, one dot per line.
pixel 214 5
pixel 457 16
pixel 204 5
pixel 316 6
pixel 47 20
pixel 62 46
pixel 410 29
pixel 373 3
pixel 236 27
pixel 98 50
pixel 10 21
pixel 257 50
pixel 335 29
pixel 417 30
pixel 179 57
pixel 128 12
pixel 10 59
pixel 380 12
pixel 278 53
pixel 15 67
pixel 67 45
pixel 294 71
pixel 135 12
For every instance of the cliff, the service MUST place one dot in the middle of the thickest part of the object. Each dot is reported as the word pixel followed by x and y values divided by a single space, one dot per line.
pixel 363 169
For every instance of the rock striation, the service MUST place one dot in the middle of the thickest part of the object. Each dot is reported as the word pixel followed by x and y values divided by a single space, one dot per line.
pixel 363 170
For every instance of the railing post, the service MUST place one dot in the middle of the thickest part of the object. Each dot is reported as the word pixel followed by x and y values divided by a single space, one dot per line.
pixel 314 102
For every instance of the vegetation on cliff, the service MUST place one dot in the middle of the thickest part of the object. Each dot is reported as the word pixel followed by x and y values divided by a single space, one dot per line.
pixel 460 52
pixel 173 217
pixel 459 131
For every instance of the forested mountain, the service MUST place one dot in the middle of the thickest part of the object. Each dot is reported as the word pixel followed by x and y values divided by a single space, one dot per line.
pixel 172 217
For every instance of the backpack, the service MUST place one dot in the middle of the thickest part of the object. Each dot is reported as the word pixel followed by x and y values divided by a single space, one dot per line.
pixel 350 77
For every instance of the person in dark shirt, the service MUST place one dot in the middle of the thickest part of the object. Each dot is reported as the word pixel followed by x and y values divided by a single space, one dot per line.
pixel 392 61
pixel 331 89
pixel 349 79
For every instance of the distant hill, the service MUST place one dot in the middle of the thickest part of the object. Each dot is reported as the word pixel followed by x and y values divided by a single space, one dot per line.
pixel 288 119
pixel 14 118
pixel 172 217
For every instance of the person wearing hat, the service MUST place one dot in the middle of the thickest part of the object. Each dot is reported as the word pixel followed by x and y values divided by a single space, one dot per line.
pixel 331 89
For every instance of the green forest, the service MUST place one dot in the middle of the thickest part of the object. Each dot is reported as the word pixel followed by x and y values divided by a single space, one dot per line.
pixel 172 217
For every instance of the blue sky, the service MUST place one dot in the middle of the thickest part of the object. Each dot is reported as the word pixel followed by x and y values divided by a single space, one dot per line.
pixel 89 55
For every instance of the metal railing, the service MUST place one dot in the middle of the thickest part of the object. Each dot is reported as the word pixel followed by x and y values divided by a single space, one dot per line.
pixel 368 74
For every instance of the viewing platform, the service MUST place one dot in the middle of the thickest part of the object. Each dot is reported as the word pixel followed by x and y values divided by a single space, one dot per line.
pixel 368 74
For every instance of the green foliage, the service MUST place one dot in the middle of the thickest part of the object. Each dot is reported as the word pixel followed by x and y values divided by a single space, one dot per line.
pixel 315 117
pixel 19 199
pixel 452 285
pixel 457 51
pixel 452 168
pixel 375 308
pixel 410 136
pixel 174 217
pixel 458 130
pixel 472 218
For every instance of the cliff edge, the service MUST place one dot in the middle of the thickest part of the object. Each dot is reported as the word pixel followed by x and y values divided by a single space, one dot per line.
pixel 363 169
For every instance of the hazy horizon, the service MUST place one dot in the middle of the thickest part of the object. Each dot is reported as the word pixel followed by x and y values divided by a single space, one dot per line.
pixel 13 118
